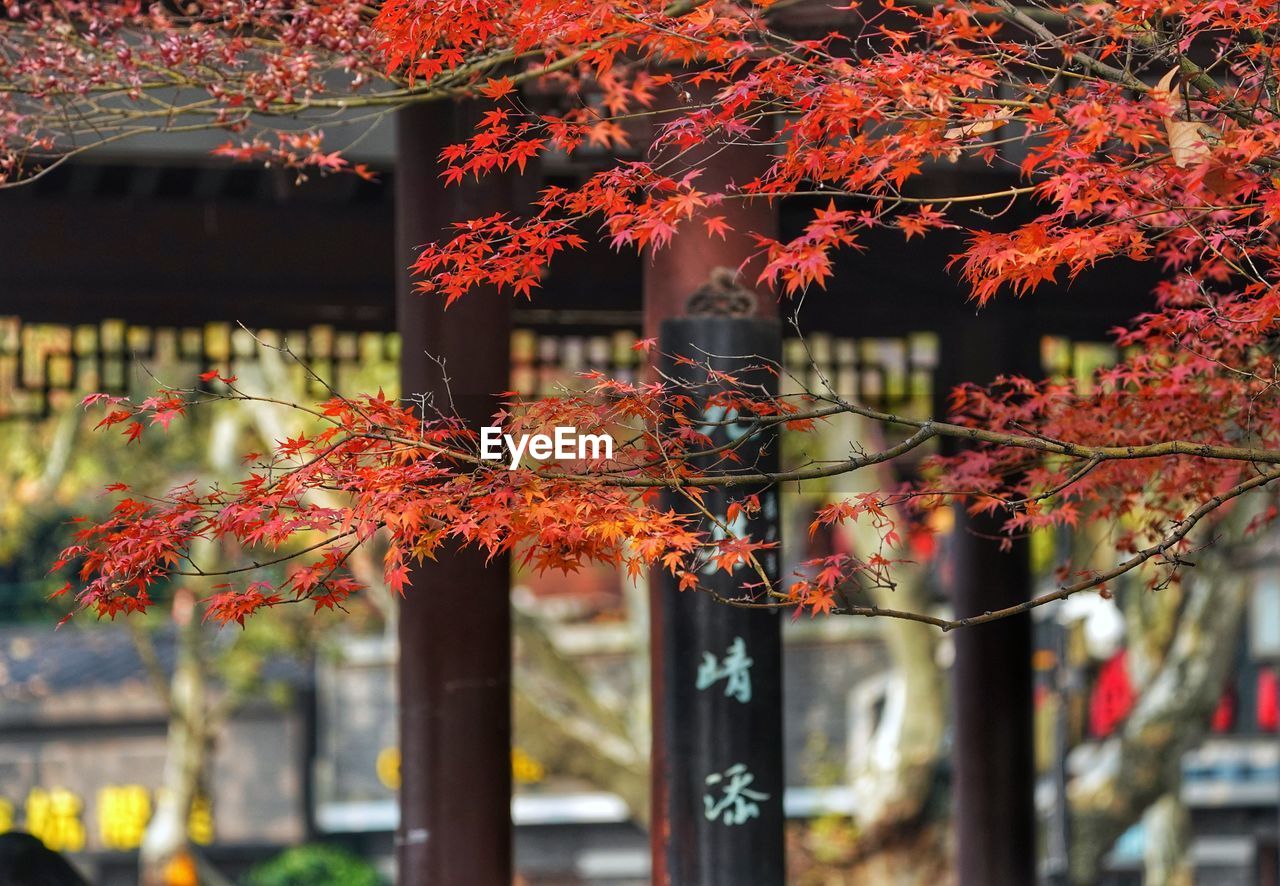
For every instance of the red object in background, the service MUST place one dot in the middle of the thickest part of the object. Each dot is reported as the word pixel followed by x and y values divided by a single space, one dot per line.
pixel 923 543
pixel 1112 697
pixel 1225 714
pixel 1268 700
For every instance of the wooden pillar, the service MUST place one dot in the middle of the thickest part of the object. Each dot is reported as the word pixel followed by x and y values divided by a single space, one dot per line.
pixel 455 640
pixel 721 820
pixel 672 274
pixel 993 752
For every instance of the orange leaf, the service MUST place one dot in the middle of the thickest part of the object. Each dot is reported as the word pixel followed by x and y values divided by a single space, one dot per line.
pixel 497 88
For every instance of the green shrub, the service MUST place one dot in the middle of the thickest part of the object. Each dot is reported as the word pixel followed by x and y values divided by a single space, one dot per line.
pixel 314 865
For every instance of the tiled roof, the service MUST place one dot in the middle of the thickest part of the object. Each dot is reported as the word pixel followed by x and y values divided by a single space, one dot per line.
pixel 36 660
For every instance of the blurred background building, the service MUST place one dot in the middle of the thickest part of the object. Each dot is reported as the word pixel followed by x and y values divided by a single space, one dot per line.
pixel 138 266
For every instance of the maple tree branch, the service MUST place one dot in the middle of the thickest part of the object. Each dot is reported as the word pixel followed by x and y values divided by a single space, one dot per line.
pixel 921 436
pixel 263 564
pixel 1108 167
pixel 459 81
pixel 929 428
pixel 146 649
pixel 1170 540
pixel 1035 13
pixel 925 429
pixel 1116 75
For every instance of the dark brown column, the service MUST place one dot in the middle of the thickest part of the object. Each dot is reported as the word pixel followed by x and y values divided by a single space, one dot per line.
pixel 722 815
pixel 993 753
pixel 455 641
pixel 671 275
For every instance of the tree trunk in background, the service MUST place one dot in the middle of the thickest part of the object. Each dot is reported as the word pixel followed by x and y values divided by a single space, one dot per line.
pixel 903 827
pixel 166 855
pixel 166 843
pixel 562 723
pixel 902 817
pixel 1168 833
pixel 1142 764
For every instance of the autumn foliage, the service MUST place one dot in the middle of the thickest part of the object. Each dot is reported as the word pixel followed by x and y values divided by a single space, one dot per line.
pixel 1130 130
